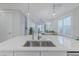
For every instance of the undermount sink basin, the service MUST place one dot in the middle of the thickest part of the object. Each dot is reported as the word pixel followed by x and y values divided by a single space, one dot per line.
pixel 39 44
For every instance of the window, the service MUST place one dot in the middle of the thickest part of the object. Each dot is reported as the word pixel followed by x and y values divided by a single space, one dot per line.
pixel 64 26
pixel 60 28
pixel 48 26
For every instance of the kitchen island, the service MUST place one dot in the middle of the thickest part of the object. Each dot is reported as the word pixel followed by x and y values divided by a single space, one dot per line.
pixel 15 47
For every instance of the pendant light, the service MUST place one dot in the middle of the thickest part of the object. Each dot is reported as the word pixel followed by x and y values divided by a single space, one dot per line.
pixel 53 9
pixel 28 9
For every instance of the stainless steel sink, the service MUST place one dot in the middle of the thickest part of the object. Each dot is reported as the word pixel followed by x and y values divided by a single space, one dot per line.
pixel 39 44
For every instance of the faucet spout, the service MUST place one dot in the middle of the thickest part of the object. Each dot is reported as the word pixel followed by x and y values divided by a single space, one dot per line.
pixel 33 36
pixel 39 34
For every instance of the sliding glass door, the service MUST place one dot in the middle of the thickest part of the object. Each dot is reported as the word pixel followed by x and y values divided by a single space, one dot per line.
pixel 65 26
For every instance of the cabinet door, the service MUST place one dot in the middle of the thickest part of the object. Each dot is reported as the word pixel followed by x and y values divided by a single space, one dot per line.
pixel 53 53
pixel 18 24
pixel 5 25
pixel 11 24
pixel 6 53
pixel 26 53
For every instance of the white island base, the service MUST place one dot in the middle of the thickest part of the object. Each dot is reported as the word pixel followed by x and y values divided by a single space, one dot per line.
pixel 32 53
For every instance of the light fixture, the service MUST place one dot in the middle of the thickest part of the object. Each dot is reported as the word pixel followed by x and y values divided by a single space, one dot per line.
pixel 28 14
pixel 53 9
pixel 28 10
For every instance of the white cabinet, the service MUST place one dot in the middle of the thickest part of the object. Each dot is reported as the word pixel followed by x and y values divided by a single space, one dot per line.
pixel 18 24
pixel 5 25
pixel 72 54
pixel 11 24
pixel 6 53
pixel 53 53
pixel 40 53
pixel 33 53
pixel 26 53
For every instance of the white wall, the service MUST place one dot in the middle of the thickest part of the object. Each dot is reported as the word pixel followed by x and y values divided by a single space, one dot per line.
pixel 75 18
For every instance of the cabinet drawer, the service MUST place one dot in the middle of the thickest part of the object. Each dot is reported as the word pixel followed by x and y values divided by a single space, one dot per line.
pixel 53 53
pixel 26 53
pixel 6 53
pixel 72 54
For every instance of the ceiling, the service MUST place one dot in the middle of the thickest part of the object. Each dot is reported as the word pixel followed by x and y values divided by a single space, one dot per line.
pixel 40 10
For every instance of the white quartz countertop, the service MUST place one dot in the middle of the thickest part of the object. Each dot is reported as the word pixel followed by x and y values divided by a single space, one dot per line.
pixel 16 44
pixel 74 45
pixel 69 43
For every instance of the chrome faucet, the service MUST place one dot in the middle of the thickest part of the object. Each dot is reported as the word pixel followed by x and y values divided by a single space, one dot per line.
pixel 33 35
pixel 39 36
